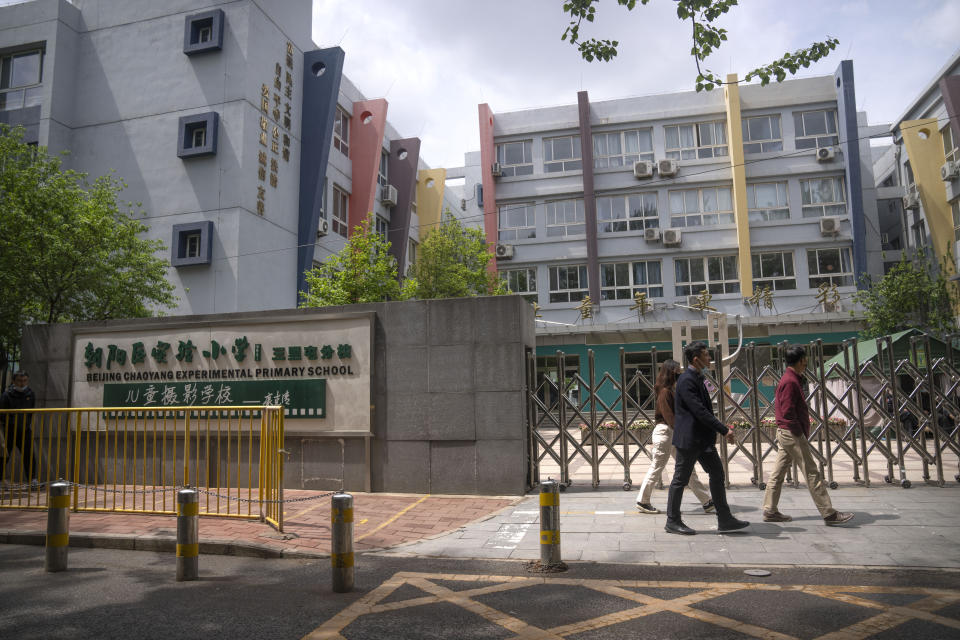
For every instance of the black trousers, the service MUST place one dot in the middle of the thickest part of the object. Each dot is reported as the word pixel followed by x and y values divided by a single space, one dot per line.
pixel 709 460
pixel 18 434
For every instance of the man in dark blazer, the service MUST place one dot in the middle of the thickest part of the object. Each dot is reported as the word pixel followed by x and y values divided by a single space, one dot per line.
pixel 695 430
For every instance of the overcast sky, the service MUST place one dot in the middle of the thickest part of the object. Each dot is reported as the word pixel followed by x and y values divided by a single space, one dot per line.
pixel 436 60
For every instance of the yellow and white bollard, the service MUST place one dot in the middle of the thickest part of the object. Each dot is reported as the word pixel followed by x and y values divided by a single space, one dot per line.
pixel 341 542
pixel 58 526
pixel 188 534
pixel 549 523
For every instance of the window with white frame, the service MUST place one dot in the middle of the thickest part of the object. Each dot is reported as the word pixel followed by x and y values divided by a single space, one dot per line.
pixel 383 227
pixel 715 274
pixel 767 201
pixel 622 148
pixel 830 266
pixel 339 211
pixel 950 150
pixel 955 210
pixel 623 280
pixel 341 132
pixel 701 207
pixel 515 158
pixel 773 269
pixel 762 134
pixel 20 75
pixel 521 282
pixel 562 154
pixel 411 252
pixel 633 212
pixel 699 140
pixel 565 218
pixel 815 129
pixel 382 177
pixel 517 222
pixel 568 283
pixel 823 197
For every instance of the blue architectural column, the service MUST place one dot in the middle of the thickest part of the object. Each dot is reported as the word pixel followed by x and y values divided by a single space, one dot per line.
pixel 850 144
pixel 589 198
pixel 402 169
pixel 322 72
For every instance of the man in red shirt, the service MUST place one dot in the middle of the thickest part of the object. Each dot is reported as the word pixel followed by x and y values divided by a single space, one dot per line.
pixel 793 429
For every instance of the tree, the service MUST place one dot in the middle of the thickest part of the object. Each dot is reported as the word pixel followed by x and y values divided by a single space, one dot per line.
pixel 363 271
pixel 913 294
pixel 452 263
pixel 67 251
pixel 706 39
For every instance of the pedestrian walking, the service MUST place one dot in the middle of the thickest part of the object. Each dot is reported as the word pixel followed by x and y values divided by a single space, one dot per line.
pixel 662 442
pixel 793 431
pixel 695 437
pixel 17 432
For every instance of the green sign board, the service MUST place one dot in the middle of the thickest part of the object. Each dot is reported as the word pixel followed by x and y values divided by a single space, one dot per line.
pixel 303 398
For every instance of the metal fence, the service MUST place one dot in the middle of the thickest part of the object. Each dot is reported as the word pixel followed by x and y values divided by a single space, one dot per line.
pixel 882 411
pixel 133 460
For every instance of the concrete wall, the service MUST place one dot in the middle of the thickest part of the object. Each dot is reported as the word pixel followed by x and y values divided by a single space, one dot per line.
pixel 447 394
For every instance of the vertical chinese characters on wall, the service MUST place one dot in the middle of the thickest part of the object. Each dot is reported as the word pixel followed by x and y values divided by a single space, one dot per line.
pixel 275 127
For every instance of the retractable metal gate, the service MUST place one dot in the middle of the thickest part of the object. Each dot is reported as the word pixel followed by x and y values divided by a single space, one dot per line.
pixel 883 411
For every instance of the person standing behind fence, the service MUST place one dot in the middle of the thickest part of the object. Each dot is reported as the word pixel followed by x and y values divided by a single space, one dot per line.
pixel 662 442
pixel 793 429
pixel 16 426
pixel 695 432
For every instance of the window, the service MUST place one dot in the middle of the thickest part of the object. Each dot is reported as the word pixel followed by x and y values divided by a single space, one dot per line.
pixel 192 244
pixel 340 211
pixel 815 129
pixel 622 148
pixel 382 227
pixel 955 209
pixel 382 174
pixel 762 134
pixel 565 218
pixel 950 150
pixel 692 141
pixel 562 154
pixel 341 132
pixel 701 207
pixel 198 135
pixel 823 197
pixel 634 212
pixel 622 280
pixel 716 274
pixel 568 283
pixel 19 79
pixel 774 270
pixel 515 158
pixel 517 222
pixel 203 32
pixel 412 252
pixel 831 266
pixel 522 282
pixel 767 201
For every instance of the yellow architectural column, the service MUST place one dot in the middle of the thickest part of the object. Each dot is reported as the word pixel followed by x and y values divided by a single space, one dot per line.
pixel 731 94
pixel 430 185
pixel 925 150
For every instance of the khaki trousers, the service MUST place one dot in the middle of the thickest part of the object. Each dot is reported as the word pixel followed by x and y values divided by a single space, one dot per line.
pixel 796 450
pixel 662 444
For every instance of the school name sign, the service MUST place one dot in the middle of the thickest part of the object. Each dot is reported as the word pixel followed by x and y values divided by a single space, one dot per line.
pixel 319 370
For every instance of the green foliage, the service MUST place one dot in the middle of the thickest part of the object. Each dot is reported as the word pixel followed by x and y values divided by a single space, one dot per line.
pixel 363 271
pixel 706 39
pixel 67 251
pixel 453 263
pixel 914 294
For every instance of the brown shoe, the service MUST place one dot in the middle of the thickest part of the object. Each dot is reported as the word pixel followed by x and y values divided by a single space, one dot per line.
pixel 839 517
pixel 776 516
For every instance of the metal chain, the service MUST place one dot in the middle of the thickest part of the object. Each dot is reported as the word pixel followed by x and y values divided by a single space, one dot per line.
pixel 40 485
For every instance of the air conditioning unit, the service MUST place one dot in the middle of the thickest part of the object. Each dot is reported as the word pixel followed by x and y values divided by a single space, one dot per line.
pixel 652 234
pixel 832 307
pixel 911 200
pixel 505 251
pixel 950 171
pixel 389 198
pixel 671 237
pixel 667 167
pixel 323 228
pixel 826 154
pixel 495 170
pixel 643 169
pixel 829 226
pixel 693 301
